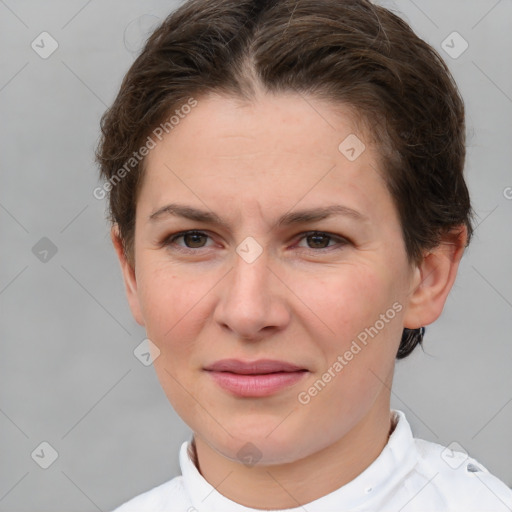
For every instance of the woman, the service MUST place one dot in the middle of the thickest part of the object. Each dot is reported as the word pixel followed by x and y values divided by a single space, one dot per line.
pixel 289 211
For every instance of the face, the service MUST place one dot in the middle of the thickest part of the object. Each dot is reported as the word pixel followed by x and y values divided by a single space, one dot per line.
pixel 299 259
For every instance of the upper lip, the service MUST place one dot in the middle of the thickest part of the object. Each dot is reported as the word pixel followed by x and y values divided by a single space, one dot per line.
pixel 258 367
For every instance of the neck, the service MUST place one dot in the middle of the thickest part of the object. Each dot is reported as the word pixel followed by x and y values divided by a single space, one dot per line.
pixel 300 482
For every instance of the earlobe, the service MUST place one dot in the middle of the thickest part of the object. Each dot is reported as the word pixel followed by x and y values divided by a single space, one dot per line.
pixel 129 276
pixel 433 279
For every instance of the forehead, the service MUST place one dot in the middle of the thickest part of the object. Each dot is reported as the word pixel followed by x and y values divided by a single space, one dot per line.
pixel 276 150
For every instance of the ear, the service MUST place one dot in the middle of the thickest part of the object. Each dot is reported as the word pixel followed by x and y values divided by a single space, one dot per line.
pixel 130 281
pixel 433 279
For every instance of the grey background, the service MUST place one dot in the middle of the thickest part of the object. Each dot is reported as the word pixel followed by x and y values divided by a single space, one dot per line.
pixel 68 373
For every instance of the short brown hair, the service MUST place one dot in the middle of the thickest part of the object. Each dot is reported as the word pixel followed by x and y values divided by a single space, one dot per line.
pixel 349 52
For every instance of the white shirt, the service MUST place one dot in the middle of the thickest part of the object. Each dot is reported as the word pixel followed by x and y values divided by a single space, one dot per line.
pixel 409 475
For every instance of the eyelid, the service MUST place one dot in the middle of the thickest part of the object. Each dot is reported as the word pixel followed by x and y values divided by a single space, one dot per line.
pixel 340 239
pixel 170 239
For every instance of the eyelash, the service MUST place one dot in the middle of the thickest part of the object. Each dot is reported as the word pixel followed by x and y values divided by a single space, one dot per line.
pixel 171 239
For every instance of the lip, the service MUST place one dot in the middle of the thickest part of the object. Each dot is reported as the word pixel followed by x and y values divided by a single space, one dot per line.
pixel 259 378
pixel 259 367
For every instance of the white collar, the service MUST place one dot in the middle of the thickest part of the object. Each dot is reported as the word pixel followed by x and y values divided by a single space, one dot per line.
pixel 392 465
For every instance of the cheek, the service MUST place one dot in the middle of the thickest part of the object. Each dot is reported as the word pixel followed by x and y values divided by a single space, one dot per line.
pixel 361 308
pixel 175 307
pixel 348 299
pixel 172 303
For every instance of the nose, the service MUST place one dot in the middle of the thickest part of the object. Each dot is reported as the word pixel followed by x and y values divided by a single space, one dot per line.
pixel 253 300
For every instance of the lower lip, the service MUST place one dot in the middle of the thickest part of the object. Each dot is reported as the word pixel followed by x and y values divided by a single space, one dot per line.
pixel 256 385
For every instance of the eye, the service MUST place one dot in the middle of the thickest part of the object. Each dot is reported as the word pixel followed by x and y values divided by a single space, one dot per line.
pixel 321 240
pixel 191 240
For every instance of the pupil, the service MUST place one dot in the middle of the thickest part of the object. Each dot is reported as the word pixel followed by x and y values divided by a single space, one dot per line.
pixel 196 240
pixel 318 240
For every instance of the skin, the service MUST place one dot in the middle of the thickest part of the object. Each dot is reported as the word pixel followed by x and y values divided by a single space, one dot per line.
pixel 302 300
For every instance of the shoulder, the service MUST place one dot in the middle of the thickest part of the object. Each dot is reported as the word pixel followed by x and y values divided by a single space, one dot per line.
pixel 456 480
pixel 159 498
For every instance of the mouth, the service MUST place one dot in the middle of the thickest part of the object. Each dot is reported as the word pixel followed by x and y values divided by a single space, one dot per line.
pixel 259 367
pixel 255 379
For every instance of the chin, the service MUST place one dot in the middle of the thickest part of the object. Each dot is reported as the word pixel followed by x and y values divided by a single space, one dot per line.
pixel 262 443
pixel 261 452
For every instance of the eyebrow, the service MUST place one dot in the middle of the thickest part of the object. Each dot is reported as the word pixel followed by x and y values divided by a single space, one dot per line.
pixel 290 218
